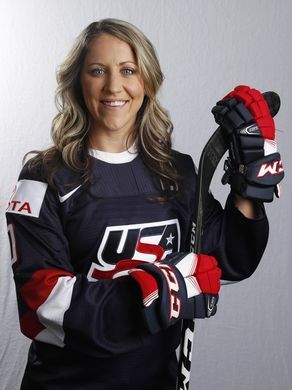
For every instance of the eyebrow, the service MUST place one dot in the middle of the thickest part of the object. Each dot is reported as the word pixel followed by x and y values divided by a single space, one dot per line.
pixel 121 63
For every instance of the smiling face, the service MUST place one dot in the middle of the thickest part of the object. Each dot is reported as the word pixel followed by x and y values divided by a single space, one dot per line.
pixel 112 87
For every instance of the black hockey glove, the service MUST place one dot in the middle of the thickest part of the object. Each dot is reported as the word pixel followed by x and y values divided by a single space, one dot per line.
pixel 182 286
pixel 254 167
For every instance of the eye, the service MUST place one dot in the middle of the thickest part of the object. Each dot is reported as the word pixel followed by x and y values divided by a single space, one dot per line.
pixel 128 71
pixel 97 72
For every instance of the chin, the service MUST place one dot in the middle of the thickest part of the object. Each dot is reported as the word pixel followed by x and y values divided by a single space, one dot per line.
pixel 115 127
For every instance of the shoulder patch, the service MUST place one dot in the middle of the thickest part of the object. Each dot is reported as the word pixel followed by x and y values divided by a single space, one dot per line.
pixel 27 198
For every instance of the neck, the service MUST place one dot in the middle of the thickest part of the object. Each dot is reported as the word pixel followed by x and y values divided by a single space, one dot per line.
pixel 113 143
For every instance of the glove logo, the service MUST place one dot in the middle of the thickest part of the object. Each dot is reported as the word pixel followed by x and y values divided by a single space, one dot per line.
pixel 173 286
pixel 212 301
pixel 274 168
pixel 250 130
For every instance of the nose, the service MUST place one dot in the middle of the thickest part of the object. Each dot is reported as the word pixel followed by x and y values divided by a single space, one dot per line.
pixel 113 83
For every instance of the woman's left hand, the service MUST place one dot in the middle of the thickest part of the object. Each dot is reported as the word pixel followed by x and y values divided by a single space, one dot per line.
pixel 254 167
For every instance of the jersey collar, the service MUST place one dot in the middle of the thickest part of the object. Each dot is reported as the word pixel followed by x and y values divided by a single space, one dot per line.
pixel 115 158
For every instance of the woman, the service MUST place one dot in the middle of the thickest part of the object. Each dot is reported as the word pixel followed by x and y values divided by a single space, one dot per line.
pixel 100 223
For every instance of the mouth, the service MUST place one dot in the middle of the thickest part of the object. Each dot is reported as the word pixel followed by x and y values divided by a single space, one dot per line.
pixel 114 103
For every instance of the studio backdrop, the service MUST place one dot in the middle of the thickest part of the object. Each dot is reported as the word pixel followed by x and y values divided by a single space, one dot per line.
pixel 206 48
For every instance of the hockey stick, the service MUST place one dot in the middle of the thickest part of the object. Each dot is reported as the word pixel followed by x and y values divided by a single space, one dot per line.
pixel 211 155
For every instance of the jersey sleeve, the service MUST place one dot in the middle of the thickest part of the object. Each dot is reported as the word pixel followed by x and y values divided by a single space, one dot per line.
pixel 237 242
pixel 57 306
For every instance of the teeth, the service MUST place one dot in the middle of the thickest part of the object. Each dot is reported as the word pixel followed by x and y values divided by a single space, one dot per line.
pixel 116 103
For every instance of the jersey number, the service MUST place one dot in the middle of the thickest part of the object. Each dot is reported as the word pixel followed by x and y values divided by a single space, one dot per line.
pixel 12 242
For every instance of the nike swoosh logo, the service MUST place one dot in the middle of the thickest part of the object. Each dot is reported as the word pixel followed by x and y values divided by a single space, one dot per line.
pixel 65 197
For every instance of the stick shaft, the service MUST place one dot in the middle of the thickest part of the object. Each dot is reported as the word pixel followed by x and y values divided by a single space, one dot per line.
pixel 210 157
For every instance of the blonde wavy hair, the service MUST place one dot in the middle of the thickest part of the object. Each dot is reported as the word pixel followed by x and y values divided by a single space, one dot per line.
pixel 70 127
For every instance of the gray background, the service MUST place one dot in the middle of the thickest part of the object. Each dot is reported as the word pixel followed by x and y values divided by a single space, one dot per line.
pixel 205 48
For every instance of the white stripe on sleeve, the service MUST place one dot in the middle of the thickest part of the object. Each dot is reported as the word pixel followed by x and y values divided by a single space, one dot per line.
pixel 51 312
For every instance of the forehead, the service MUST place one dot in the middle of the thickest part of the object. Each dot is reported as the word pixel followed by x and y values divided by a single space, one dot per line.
pixel 108 48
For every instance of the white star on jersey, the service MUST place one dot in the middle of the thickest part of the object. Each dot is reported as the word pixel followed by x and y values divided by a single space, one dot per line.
pixel 169 239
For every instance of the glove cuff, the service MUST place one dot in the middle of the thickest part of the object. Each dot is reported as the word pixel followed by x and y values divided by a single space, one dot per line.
pixel 257 180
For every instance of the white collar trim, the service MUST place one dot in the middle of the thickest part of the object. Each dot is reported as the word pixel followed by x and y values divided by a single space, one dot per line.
pixel 115 158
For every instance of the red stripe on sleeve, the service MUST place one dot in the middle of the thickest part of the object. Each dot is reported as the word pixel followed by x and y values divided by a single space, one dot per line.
pixel 38 288
pixel 30 325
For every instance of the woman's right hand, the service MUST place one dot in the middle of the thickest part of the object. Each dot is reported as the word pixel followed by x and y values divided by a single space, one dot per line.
pixel 182 286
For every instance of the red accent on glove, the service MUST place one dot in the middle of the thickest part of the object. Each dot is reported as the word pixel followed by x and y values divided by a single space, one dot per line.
pixel 148 285
pixel 258 107
pixel 208 274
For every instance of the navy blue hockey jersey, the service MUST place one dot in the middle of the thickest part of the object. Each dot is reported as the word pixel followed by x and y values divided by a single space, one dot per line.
pixel 87 331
